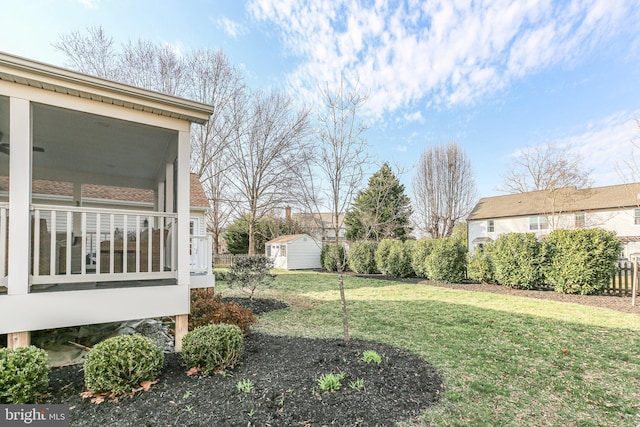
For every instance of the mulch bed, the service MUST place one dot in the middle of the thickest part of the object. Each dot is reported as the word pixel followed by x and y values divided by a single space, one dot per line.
pixel 284 372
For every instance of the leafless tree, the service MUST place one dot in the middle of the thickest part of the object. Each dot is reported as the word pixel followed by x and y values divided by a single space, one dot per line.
pixel 93 53
pixel 444 189
pixel 551 169
pixel 336 171
pixel 270 142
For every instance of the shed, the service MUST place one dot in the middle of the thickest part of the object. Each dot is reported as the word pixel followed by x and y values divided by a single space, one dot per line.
pixel 294 252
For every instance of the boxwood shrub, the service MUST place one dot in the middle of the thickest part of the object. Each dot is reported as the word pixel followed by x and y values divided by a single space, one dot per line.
pixel 24 374
pixel 580 261
pixel 120 364
pixel 421 249
pixel 517 261
pixel 213 348
pixel 362 257
pixel 447 260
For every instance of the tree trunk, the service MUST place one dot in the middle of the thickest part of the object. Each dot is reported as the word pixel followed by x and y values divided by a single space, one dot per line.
pixel 343 301
pixel 252 232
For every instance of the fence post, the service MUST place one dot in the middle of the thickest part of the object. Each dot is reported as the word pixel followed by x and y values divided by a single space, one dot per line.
pixel 635 282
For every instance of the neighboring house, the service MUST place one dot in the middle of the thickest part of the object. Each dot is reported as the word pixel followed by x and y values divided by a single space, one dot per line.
pixel 615 208
pixel 320 225
pixel 294 252
pixel 95 221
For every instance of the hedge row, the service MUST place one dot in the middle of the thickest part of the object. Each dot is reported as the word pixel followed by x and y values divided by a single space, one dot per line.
pixel 572 261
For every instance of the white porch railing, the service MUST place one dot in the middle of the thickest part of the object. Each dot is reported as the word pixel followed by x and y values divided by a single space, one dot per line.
pixel 79 244
pixel 4 237
pixel 200 259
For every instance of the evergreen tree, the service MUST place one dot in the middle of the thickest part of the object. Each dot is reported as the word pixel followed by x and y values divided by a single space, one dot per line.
pixel 381 211
pixel 267 228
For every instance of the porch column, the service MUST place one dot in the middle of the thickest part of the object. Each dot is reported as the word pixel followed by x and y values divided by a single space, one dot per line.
pixel 183 196
pixel 20 135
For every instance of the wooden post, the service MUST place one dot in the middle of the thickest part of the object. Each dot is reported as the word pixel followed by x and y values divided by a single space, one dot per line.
pixel 182 327
pixel 18 339
pixel 635 282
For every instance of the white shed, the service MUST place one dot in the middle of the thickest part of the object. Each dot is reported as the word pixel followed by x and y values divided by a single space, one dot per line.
pixel 294 252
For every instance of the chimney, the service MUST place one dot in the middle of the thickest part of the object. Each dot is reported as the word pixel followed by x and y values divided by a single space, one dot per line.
pixel 287 213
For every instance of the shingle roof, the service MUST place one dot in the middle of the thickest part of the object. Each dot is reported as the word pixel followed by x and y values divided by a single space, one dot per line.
pixel 198 196
pixel 567 199
pixel 287 238
pixel 314 220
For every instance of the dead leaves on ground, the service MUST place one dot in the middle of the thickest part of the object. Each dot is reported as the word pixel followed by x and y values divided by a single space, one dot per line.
pixel 99 397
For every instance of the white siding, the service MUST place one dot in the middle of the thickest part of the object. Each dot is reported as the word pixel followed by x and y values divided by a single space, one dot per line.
pixel 303 253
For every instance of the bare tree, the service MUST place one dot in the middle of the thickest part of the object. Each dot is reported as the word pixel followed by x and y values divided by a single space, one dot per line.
pixel 444 189
pixel 270 142
pixel 551 169
pixel 336 171
pixel 91 54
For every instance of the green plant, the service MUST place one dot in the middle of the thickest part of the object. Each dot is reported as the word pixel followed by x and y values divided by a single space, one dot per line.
pixel 357 384
pixel 207 308
pixel 399 259
pixel 330 382
pixel 332 254
pixel 250 274
pixel 24 374
pixel 187 394
pixel 447 260
pixel 580 261
pixel 419 253
pixel 370 356
pixel 213 347
pixel 480 267
pixel 382 255
pixel 121 363
pixel 517 261
pixel 244 386
pixel 361 257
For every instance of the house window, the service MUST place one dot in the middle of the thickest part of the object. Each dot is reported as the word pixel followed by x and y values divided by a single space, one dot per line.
pixel 283 250
pixel 580 220
pixel 637 216
pixel 269 250
pixel 491 226
pixel 538 223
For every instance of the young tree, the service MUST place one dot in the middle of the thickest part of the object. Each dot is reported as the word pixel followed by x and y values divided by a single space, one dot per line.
pixel 251 274
pixel 549 168
pixel 380 211
pixel 444 189
pixel 334 174
pixel 269 145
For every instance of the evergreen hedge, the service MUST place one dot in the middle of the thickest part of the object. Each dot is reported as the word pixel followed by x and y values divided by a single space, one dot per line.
pixel 517 260
pixel 362 257
pixel 447 260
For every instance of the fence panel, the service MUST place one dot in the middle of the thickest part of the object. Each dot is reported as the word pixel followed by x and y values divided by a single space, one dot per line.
pixel 228 260
pixel 622 280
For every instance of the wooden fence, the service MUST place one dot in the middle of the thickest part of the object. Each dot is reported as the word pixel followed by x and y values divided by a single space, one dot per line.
pixel 226 260
pixel 622 280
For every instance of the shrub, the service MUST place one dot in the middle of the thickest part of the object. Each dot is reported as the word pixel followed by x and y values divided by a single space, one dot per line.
pixel 421 249
pixel 516 260
pixel 447 260
pixel 382 255
pixel 399 259
pixel 213 348
pixel 580 261
pixel 207 309
pixel 362 257
pixel 251 273
pixel 330 255
pixel 480 267
pixel 24 374
pixel 121 363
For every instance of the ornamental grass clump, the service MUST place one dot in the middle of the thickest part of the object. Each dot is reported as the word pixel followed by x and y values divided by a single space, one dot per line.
pixel 120 364
pixel 213 348
pixel 24 374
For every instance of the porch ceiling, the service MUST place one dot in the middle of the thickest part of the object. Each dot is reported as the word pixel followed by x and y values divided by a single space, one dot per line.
pixel 95 146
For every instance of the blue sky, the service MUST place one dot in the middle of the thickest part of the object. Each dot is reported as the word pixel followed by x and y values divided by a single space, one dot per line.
pixel 494 76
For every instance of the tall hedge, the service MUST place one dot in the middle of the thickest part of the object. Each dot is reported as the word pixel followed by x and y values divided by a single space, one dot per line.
pixel 580 261
pixel 382 255
pixel 362 257
pixel 421 249
pixel 447 260
pixel 480 265
pixel 517 261
pixel 330 254
pixel 399 259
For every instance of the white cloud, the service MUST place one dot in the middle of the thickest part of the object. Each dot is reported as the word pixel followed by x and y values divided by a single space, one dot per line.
pixel 232 28
pixel 402 148
pixel 91 4
pixel 440 52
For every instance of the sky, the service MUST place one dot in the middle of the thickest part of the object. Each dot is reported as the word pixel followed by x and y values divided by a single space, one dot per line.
pixel 493 76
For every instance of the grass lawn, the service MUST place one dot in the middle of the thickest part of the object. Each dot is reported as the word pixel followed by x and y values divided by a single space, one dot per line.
pixel 506 360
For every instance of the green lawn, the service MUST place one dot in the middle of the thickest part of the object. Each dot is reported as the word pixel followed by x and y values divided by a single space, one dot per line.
pixel 505 360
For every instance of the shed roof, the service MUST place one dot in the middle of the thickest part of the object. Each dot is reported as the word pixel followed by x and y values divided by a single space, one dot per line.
pixel 567 199
pixel 288 238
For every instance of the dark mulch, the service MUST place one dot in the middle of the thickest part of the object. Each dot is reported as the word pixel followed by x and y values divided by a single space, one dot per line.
pixel 284 372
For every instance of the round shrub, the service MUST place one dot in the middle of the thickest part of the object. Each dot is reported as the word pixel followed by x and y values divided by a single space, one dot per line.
pixel 330 255
pixel 421 249
pixel 208 308
pixel 517 261
pixel 447 260
pixel 399 259
pixel 480 267
pixel 24 374
pixel 580 261
pixel 362 257
pixel 382 255
pixel 213 348
pixel 120 364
